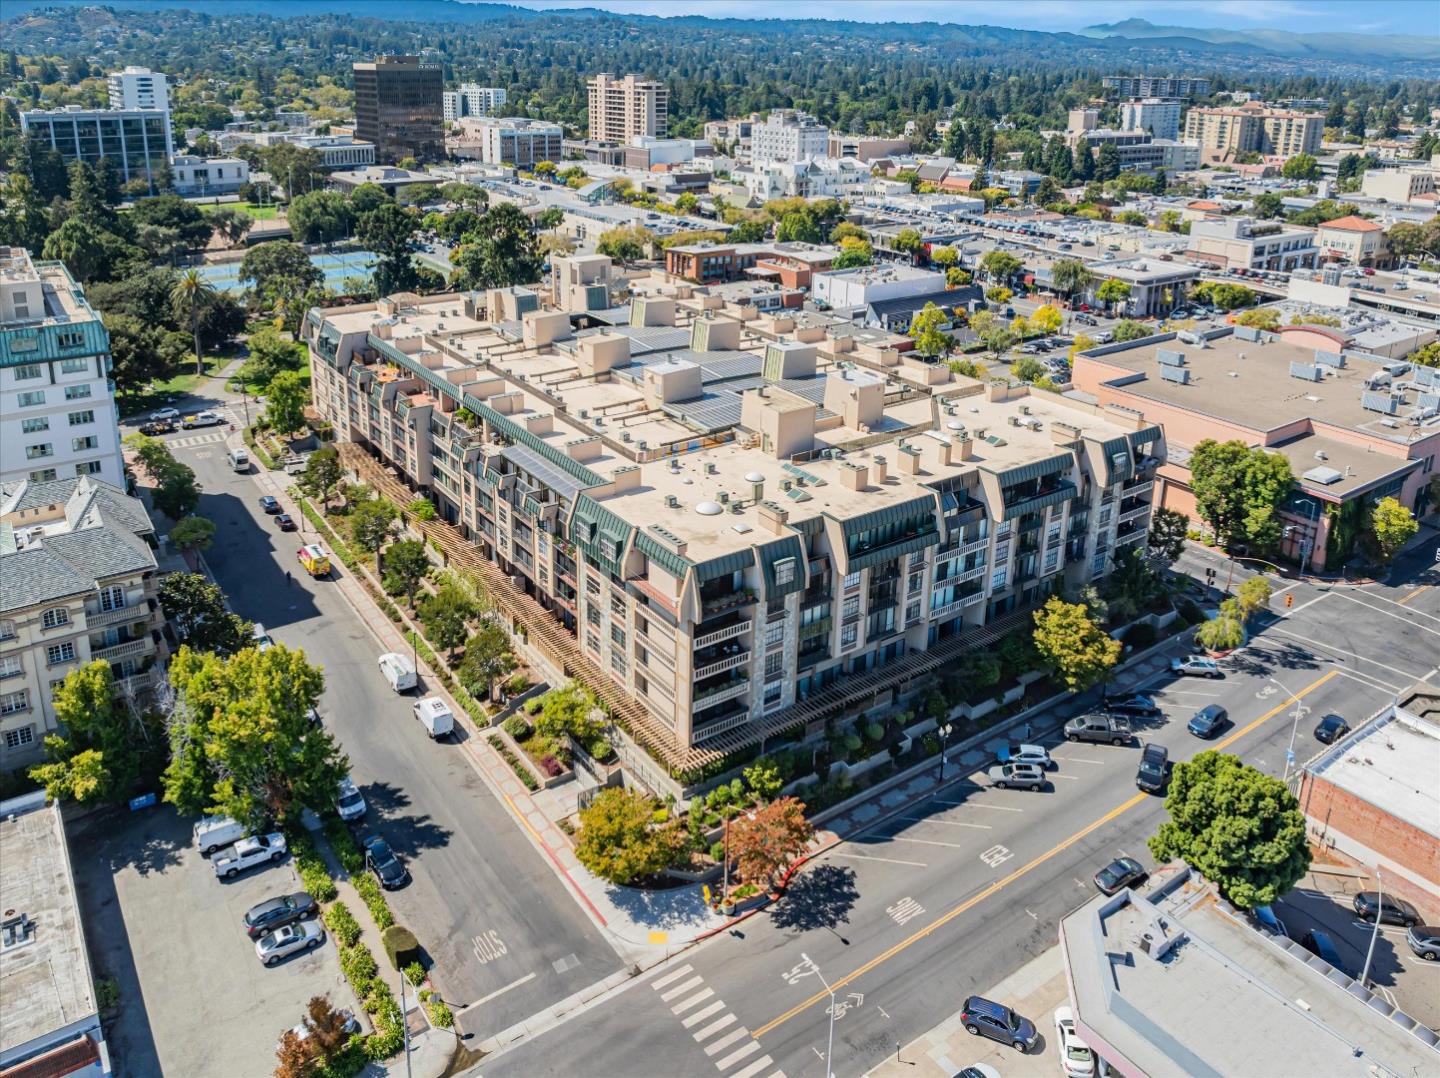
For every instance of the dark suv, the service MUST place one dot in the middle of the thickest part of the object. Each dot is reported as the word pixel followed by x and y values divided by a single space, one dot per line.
pixel 1370 905
pixel 986 1018
pixel 1154 762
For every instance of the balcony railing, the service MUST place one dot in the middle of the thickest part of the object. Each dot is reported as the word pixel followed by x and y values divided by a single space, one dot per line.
pixel 1136 513
pixel 728 601
pixel 1134 489
pixel 118 616
pixel 719 726
pixel 728 690
pixel 1130 536
pixel 128 650
pixel 727 633
pixel 730 662
pixel 972 574
pixel 971 600
pixel 134 685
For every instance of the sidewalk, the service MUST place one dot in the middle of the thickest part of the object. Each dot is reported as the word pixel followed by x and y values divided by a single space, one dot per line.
pixel 1034 991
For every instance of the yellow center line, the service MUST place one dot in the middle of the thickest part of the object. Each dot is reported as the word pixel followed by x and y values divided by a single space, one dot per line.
pixel 1417 591
pixel 1000 884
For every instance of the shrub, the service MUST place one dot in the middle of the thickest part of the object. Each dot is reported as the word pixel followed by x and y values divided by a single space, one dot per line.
pixel 1141 635
pixel 874 731
pixel 440 1015
pixel 374 901
pixel 517 727
pixel 521 771
pixel 401 946
pixel 342 923
pixel 852 742
pixel 516 684
pixel 553 768
pixel 314 876
pixel 358 965
pixel 415 973
pixel 1191 612
pixel 343 843
pixel 717 851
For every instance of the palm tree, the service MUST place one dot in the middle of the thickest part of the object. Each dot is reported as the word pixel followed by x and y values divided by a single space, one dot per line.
pixel 191 295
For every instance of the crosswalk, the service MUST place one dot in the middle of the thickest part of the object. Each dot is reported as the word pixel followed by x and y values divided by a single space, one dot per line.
pixel 189 441
pixel 714 1028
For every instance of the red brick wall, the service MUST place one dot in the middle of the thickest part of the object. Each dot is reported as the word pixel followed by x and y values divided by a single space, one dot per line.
pixel 1327 806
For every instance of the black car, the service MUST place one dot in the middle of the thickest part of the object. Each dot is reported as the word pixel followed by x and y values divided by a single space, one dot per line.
pixel 285 522
pixel 1154 766
pixel 1121 872
pixel 1323 947
pixel 1391 910
pixel 381 860
pixel 1138 705
pixel 269 504
pixel 269 915
pixel 1331 729
pixel 1208 721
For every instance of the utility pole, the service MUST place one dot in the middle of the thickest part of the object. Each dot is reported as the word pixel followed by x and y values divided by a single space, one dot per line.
pixel 1375 932
pixel 405 1025
pixel 830 1043
pixel 944 730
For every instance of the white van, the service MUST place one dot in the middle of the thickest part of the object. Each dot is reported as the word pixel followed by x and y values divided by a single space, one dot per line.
pixel 216 832
pixel 239 460
pixel 435 715
pixel 399 671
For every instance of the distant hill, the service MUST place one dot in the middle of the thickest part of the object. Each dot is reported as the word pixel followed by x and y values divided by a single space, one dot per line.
pixel 1330 46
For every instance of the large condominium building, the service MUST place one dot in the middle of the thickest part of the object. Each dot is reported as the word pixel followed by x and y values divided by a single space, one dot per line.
pixel 788 137
pixel 1156 86
pixel 1252 128
pixel 731 523
pixel 137 142
pixel 1153 114
pixel 138 88
pixel 622 109
pixel 80 587
pixel 513 140
pixel 57 407
pixel 470 99
pixel 398 107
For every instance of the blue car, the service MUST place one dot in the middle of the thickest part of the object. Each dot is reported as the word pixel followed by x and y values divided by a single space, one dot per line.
pixel 1208 721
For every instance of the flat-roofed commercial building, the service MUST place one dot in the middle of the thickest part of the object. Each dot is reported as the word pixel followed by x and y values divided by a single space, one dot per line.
pixel 1352 434
pixel 623 109
pixel 517 141
pixel 1251 244
pixel 137 142
pixel 52 1019
pixel 1355 240
pixel 729 520
pixel 399 108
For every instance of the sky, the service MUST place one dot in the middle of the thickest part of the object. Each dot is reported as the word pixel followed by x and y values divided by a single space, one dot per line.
pixel 1353 16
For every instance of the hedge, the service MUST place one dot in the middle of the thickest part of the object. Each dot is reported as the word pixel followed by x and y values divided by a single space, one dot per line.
pixel 401 946
pixel 342 923
pixel 314 876
pixel 374 900
pixel 521 771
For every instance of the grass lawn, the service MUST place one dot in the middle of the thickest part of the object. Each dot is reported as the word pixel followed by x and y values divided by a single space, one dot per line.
pixel 258 213
pixel 257 389
pixel 159 393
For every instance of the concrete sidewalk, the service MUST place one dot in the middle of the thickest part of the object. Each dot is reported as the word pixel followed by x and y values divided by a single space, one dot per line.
pixel 1034 991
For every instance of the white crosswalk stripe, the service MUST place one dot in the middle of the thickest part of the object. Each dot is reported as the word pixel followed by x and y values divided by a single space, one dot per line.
pixel 687 987
pixel 192 440
pixel 671 977
pixel 754 1068
pixel 715 1027
pixel 726 1041
pixel 681 988
pixel 739 1054
pixel 698 997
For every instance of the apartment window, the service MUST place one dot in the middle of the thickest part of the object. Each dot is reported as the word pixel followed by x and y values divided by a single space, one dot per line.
pixel 35 426
pixel 851 609
pixel 58 683
pixel 592 641
pixel 592 614
pixel 75 393
pixel 10 666
pixel 72 366
pixel 112 598
pixel 997 581
pixel 55 617
pixel 79 419
pixel 785 571
pixel 45 475
pixel 775 634
pixel 89 467
pixel 39 451
pixel 80 445
pixel 848 635
pixel 774 665
pixel 617 605
pixel 18 738
pixel 29 371
pixel 852 580
pixel 617 662
pixel 60 653
pixel 592 586
pixel 7 630
pixel 617 636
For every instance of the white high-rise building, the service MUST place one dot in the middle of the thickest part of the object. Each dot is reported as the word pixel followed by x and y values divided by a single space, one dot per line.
pixel 1161 118
pixel 470 99
pixel 787 137
pixel 622 109
pixel 139 88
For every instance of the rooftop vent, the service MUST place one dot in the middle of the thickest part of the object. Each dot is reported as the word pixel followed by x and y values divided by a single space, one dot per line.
pixel 16 931
pixel 1323 476
pixel 709 509
pixel 672 502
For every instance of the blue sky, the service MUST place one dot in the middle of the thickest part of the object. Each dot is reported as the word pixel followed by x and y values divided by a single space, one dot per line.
pixel 1353 16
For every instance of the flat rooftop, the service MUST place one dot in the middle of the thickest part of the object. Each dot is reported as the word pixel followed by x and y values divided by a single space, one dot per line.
pixel 1222 998
pixel 64 299
pixel 1392 764
pixel 45 983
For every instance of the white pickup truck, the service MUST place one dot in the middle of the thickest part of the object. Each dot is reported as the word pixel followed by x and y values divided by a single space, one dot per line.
pixel 247 853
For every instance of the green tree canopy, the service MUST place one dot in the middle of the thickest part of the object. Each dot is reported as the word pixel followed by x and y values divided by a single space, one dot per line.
pixel 197 612
pixel 503 251
pixel 930 339
pixel 625 243
pixel 279 270
pixel 1071 276
pixel 104 746
pixel 1393 526
pixel 1239 490
pixel 1069 639
pixel 1166 540
pixel 322 474
pixel 390 231
pixel 406 564
pixel 1000 265
pixel 285 400
pixel 446 616
pixel 488 659
pixel 619 840
pixel 1240 828
pixel 321 217
pixel 371 523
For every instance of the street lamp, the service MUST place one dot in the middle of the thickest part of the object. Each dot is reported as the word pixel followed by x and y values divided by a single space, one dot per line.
pixel 830 1043
pixel 944 730
pixel 1301 711
pixel 1375 932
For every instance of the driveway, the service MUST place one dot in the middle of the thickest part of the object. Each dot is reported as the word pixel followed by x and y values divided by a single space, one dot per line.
pixel 194 998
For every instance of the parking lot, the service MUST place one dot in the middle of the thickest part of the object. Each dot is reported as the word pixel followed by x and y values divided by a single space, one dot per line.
pixel 194 998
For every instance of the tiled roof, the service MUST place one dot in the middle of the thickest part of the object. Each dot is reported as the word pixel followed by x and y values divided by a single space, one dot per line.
pixel 1353 223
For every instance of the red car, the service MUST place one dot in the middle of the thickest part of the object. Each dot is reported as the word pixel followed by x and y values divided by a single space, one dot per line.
pixel 1368 272
pixel 1085 307
pixel 286 522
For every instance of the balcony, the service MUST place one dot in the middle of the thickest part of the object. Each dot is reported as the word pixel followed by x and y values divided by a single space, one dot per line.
pixel 719 666
pixel 717 726
pixel 1128 536
pixel 972 599
pixel 127 650
pixel 124 615
pixel 1135 488
pixel 1134 512
pixel 731 600
pixel 134 685
pixel 972 574
pixel 718 694
pixel 728 632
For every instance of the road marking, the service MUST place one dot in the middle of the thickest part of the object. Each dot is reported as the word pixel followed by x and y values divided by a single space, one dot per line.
pixel 754 1068
pixel 1018 873
pixel 979 805
pixel 1305 606
pixel 948 823
pixel 1411 595
pixel 1409 678
pixel 704 1013
pixel 697 998
pixel 748 1048
pixel 714 1027
pixel 488 946
pixel 1412 614
pixel 681 988
pixel 671 977
pixel 996 856
pixel 1374 682
pixel 907 909
pixel 1078 760
pixel 502 991
pixel 726 1041
pixel 925 842
pixel 867 857
pixel 1067 778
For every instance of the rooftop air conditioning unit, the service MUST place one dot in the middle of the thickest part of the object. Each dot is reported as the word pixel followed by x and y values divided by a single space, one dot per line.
pixel 672 502
pixel 1013 420
pixel 624 435
pixel 724 497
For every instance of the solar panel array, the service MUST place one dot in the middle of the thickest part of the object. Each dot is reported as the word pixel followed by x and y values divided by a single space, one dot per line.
pixel 1428 400
pixel 1426 376
pixel 1309 372
pixel 1329 359
pixel 1176 374
pixel 1378 402
pixel 1170 359
pixel 552 475
pixel 713 411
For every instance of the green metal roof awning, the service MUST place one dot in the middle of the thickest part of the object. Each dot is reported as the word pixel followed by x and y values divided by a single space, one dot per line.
pixel 674 564
pixel 770 554
pixel 1035 469
pixel 1040 501
pixel 891 551
pixel 599 533
pixel 1116 469
pixel 725 565
pixel 893 514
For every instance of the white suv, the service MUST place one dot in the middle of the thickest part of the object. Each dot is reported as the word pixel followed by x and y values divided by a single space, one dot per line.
pixel 1026 776
pixel 349 801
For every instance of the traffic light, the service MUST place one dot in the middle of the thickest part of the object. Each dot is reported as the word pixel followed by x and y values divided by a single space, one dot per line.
pixel 1289 601
pixel 1209 576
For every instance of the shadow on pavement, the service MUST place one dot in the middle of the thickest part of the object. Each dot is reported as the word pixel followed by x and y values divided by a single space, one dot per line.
pixel 821 897
pixel 255 583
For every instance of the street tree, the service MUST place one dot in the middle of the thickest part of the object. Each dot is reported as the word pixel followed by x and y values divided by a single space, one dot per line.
pixel 765 842
pixel 619 840
pixel 1237 826
pixel 930 339
pixel 1071 276
pixel 285 402
pixel 625 244
pixel 1223 632
pixel 503 251
pixel 1047 319
pixel 241 739
pixel 195 609
pixel 1302 166
pixel 1127 329
pixel 191 295
pixel 488 659
pixel 1112 292
pixel 390 231
pixel 999 294
pixel 193 533
pixel 372 522
pixel 1239 490
pixel 997 337
pixel 1393 525
pixel 1068 638
pixel 321 217
pixel 151 453
pixel 322 475
pixel 1027 369
pixel 103 748
pixel 1000 265
pixel 1166 541
pixel 269 354
pixel 1251 598
pixel 406 564
pixel 176 492
pixel 955 277
pixel 446 616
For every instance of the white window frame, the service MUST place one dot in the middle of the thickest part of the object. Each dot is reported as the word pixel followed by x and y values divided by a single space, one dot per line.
pixel 55 618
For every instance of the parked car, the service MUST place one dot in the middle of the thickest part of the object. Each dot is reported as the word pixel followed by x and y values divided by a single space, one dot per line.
pixel 398 670
pixel 215 833
pixel 435 715
pixel 201 419
pixel 1265 918
pixel 1322 946
pixel 349 801
pixel 1112 728
pixel 1331 729
pixel 380 859
pixel 247 853
pixel 154 427
pixel 1208 721
pixel 1424 940
pixel 1196 666
pixel 1121 872
pixel 261 638
pixel 1390 910
pixel 1138 705
pixel 289 939
pixel 1154 768
pixel 1026 776
pixel 1037 755
pixel 164 414
pixel 1075 1054
pixel 264 917
pixel 285 522
pixel 985 1018
pixel 270 504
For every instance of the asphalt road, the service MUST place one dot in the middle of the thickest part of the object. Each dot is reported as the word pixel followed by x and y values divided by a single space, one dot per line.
pixel 496 920
pixel 908 918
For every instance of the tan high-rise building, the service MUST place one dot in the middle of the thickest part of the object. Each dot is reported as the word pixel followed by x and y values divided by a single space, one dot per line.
pixel 621 109
pixel 1253 128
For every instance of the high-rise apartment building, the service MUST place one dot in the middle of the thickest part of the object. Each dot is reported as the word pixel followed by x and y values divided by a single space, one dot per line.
pixel 470 99
pixel 399 108
pixel 1253 128
pixel 788 137
pixel 621 109
pixel 136 142
pixel 515 140
pixel 1159 117
pixel 1157 86
pixel 57 407
pixel 139 88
